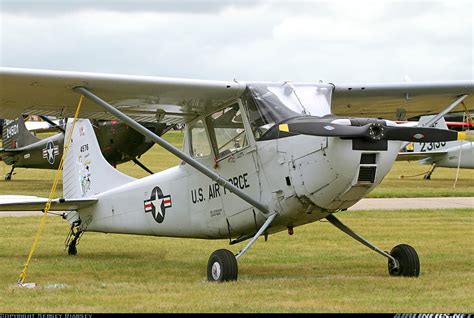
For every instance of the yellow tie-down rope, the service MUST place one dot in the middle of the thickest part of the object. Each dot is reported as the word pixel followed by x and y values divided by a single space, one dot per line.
pixel 22 276
pixel 468 115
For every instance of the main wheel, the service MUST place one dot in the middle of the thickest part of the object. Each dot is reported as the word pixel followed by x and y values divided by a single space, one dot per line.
pixel 222 266
pixel 407 259
pixel 8 176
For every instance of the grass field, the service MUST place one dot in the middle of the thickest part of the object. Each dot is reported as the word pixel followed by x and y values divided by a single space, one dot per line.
pixel 318 269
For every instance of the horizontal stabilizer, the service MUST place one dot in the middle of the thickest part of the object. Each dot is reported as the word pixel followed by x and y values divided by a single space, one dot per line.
pixel 4 153
pixel 33 203
pixel 412 156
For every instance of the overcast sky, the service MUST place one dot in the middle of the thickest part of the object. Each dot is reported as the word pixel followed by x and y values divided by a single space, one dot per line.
pixel 333 41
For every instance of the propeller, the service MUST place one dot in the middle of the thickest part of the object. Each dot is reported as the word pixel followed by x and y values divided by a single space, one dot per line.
pixel 372 130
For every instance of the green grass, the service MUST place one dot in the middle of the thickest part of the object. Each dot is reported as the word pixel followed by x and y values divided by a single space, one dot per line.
pixel 38 182
pixel 442 183
pixel 318 269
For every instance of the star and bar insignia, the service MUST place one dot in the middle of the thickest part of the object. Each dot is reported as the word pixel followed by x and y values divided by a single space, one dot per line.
pixel 50 152
pixel 157 204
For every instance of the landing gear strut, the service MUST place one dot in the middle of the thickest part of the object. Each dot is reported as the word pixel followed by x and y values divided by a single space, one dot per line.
pixel 8 176
pixel 427 176
pixel 402 260
pixel 222 265
pixel 72 240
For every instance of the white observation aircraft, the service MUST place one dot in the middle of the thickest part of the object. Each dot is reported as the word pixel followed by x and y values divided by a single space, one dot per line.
pixel 448 154
pixel 258 157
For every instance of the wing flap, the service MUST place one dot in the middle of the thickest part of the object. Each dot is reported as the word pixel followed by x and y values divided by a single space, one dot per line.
pixel 33 203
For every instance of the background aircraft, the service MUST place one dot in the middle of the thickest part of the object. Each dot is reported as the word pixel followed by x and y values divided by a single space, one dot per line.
pixel 258 157
pixel 450 154
pixel 118 143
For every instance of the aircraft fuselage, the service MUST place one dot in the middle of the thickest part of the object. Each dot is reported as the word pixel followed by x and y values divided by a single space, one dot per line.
pixel 303 178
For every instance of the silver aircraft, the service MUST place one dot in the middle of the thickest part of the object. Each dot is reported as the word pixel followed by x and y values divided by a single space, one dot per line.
pixel 258 157
pixel 448 154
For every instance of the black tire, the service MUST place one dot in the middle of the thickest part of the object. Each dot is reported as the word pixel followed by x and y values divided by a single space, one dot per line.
pixel 72 249
pixel 8 177
pixel 222 266
pixel 407 259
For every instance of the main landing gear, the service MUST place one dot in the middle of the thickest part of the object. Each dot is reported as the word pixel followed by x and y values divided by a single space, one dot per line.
pixel 8 176
pixel 409 264
pixel 427 176
pixel 222 264
pixel 402 260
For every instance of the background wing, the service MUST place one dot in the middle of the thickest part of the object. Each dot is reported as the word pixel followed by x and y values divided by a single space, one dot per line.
pixel 44 92
pixel 399 101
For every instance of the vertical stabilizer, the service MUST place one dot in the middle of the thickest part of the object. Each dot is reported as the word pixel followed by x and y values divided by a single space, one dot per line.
pixel 433 146
pixel 16 135
pixel 86 172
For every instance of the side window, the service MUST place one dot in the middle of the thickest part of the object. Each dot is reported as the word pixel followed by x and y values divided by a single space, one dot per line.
pixel 259 121
pixel 228 130
pixel 199 142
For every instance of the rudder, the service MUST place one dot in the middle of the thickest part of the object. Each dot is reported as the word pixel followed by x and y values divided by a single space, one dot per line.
pixel 16 135
pixel 432 146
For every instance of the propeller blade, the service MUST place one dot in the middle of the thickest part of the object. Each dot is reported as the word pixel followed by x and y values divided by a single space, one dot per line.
pixel 372 131
pixel 324 129
pixel 419 134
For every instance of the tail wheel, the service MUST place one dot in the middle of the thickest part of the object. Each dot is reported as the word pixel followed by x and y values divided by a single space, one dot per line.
pixel 72 249
pixel 409 263
pixel 222 266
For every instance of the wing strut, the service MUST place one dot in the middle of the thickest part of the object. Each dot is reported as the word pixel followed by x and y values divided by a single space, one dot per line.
pixel 445 111
pixel 175 151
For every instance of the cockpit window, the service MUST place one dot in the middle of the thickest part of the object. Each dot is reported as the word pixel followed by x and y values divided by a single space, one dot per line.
pixel 228 130
pixel 199 143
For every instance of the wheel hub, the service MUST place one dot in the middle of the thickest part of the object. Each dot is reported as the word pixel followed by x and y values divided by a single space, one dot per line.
pixel 216 270
pixel 393 268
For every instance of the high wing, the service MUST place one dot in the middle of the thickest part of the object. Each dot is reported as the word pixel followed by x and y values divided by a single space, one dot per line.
pixel 144 98
pixel 173 100
pixel 33 203
pixel 395 101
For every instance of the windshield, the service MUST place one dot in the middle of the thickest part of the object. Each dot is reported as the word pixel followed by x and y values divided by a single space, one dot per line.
pixel 269 104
